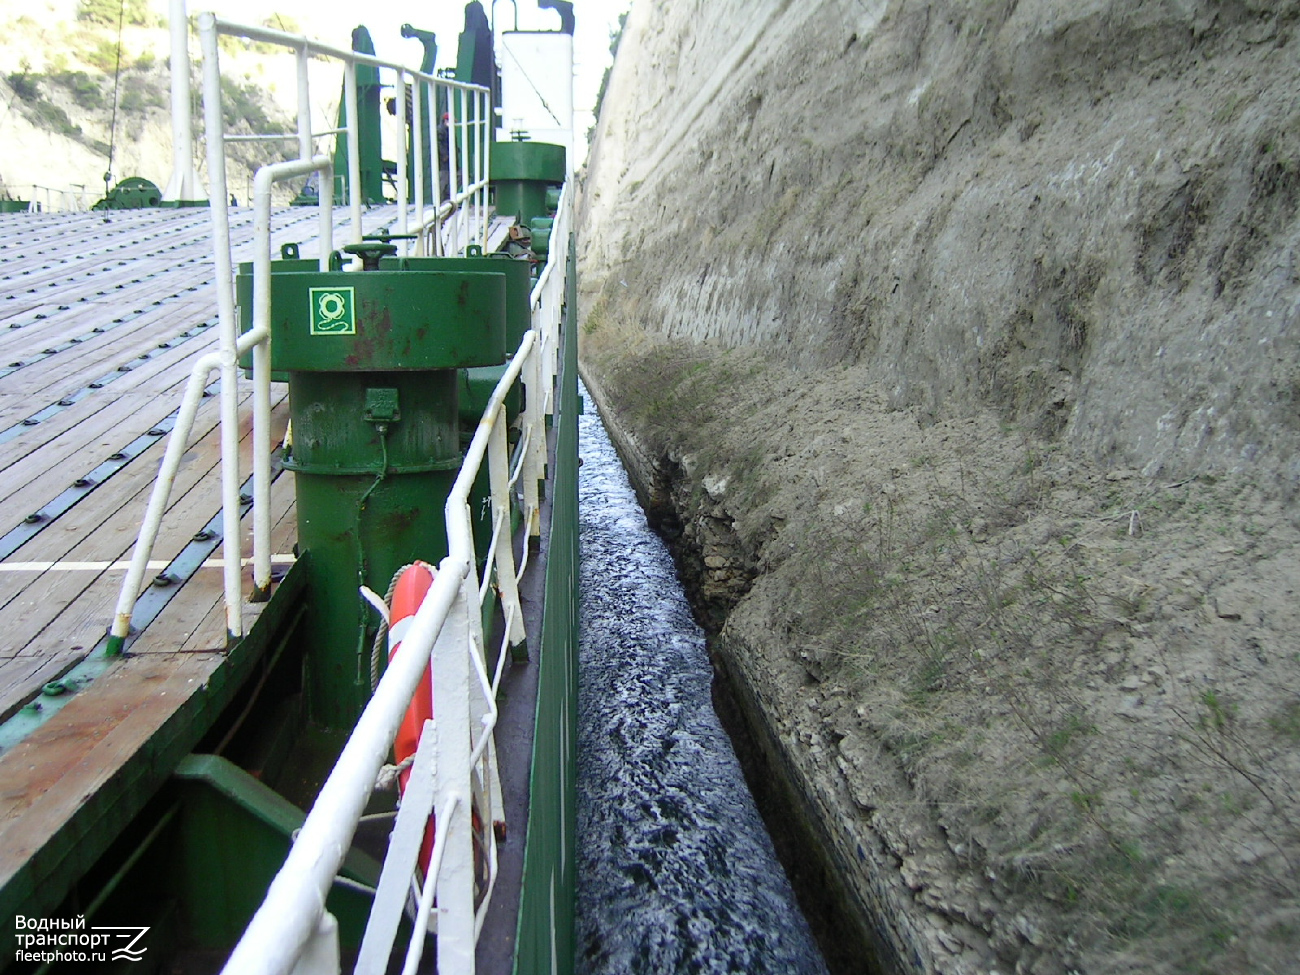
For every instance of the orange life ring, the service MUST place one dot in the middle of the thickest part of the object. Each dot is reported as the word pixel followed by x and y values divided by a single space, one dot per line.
pixel 407 596
pixel 409 592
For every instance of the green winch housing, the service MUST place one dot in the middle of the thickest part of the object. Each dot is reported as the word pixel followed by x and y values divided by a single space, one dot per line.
pixel 372 360
pixel 522 173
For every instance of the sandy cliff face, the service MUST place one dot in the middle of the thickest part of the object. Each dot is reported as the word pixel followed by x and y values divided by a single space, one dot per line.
pixel 1083 214
pixel 954 346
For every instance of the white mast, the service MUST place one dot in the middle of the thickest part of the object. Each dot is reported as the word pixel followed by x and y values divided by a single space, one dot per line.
pixel 184 185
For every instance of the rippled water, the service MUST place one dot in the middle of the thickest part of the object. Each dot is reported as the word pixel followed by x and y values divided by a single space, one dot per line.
pixel 676 872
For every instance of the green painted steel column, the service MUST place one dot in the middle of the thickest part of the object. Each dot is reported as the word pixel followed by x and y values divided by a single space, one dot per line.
pixel 372 359
pixel 368 130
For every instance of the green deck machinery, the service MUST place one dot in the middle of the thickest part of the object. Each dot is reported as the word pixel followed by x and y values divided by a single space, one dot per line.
pixel 522 173
pixel 372 360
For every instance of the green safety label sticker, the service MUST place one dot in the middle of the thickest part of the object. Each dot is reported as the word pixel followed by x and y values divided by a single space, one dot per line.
pixel 333 311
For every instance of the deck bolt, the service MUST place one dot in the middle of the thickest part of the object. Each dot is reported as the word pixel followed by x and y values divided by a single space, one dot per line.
pixel 157 432
pixel 83 482
pixel 35 518
pixel 119 455
pixel 204 535
pixel 164 579
pixel 31 421
pixel 66 402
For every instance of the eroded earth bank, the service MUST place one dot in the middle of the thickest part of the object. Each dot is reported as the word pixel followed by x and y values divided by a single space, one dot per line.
pixel 954 347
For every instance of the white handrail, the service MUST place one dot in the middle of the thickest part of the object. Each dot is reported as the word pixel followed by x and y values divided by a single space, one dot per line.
pixel 231 344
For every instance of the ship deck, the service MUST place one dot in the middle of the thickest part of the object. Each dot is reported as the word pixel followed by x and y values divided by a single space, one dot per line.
pixel 102 317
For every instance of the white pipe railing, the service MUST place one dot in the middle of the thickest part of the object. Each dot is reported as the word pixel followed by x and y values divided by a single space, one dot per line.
pixel 231 345
pixel 261 330
pixel 72 200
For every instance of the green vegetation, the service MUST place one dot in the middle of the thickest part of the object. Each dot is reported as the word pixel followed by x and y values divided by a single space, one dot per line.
pixel 244 102
pixel 103 55
pixel 135 13
pixel 615 38
pixel 38 109
pixel 86 90
pixel 25 85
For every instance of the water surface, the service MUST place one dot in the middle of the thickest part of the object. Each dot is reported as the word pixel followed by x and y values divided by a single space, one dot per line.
pixel 676 872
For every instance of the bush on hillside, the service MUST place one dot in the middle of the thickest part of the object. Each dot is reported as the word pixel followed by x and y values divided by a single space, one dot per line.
pixel 85 90
pixel 107 12
pixel 25 85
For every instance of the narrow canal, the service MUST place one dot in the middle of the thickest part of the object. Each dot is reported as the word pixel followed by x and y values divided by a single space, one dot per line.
pixel 676 872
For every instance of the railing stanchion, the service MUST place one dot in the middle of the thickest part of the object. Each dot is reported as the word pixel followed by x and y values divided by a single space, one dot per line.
pixel 215 126
pixel 303 65
pixel 451 696
pixel 354 149
pixel 499 477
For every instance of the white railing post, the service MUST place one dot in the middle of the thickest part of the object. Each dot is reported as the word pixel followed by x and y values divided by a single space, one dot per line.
pixel 303 67
pixel 454 108
pixel 451 691
pixel 183 184
pixel 535 430
pixel 320 956
pixel 228 332
pixel 485 166
pixel 499 477
pixel 354 149
pixel 176 443
pixel 419 93
pixel 260 333
pixel 399 92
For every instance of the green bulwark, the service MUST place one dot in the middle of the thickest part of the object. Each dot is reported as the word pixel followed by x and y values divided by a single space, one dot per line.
pixel 545 937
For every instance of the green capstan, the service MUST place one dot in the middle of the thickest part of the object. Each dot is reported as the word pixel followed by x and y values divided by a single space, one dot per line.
pixel 372 359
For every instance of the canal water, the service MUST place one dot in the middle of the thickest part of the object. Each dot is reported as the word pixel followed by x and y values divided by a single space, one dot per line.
pixel 676 872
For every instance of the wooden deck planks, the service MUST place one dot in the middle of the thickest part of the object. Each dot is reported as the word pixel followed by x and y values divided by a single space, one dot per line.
pixel 197 622
pixel 162 263
pixel 60 614
pixel 55 774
